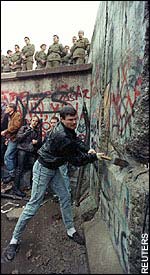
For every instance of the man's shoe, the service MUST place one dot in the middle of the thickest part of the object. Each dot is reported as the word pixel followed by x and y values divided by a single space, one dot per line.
pixel 11 251
pixel 8 179
pixel 19 193
pixel 77 238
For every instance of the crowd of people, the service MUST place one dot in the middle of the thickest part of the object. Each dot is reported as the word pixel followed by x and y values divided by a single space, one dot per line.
pixel 57 54
pixel 49 160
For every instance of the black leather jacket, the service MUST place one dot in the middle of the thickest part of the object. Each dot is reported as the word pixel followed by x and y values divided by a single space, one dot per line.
pixel 61 146
pixel 25 136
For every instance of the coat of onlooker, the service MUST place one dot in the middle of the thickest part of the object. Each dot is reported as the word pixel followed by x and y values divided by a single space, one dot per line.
pixel 14 124
pixel 29 140
pixel 4 125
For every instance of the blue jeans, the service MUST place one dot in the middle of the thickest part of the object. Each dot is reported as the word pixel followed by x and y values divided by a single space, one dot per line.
pixel 41 177
pixel 64 171
pixel 10 157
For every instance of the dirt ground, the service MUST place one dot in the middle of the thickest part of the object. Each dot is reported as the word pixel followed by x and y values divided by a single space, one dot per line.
pixel 45 247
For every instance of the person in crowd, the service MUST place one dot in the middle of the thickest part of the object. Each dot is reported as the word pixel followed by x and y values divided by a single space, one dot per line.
pixel 27 54
pixel 14 124
pixel 7 62
pixel 4 125
pixel 29 140
pixel 60 147
pixel 53 121
pixel 55 53
pixel 2 61
pixel 64 168
pixel 74 40
pixel 16 59
pixel 81 49
pixel 41 57
pixel 65 59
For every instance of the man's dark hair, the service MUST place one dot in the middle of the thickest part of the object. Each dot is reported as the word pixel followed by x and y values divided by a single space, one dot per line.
pixel 56 36
pixel 17 46
pixel 54 117
pixel 9 51
pixel 67 110
pixel 13 105
pixel 26 37
pixel 42 45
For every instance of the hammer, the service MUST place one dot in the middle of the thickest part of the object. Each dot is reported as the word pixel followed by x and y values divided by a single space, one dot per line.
pixel 117 161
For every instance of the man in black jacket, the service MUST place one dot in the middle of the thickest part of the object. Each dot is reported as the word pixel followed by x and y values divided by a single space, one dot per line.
pixel 60 147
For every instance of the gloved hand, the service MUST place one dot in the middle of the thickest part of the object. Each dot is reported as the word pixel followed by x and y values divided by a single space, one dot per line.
pixel 99 155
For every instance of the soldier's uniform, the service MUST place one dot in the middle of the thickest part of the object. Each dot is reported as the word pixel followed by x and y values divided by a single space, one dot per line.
pixel 79 50
pixel 54 55
pixel 16 61
pixel 28 52
pixel 7 64
pixel 2 62
pixel 39 57
pixel 65 58
pixel 71 53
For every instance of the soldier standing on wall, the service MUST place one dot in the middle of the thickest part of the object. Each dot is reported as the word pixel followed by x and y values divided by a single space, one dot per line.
pixel 7 62
pixel 41 57
pixel 81 49
pixel 55 53
pixel 65 59
pixel 27 55
pixel 74 40
pixel 16 60
pixel 2 61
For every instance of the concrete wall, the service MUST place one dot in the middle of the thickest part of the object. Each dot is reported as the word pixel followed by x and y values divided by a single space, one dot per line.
pixel 119 124
pixel 45 92
pixel 115 92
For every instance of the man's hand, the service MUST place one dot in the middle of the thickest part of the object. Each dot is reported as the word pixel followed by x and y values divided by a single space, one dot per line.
pixel 91 151
pixel 99 155
pixel 3 133
pixel 34 141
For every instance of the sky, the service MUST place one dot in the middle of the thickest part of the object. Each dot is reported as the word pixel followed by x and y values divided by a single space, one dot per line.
pixel 40 20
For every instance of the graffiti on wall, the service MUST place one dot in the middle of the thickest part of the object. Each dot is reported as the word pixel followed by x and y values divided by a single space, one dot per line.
pixel 47 103
pixel 114 109
pixel 124 97
pixel 115 210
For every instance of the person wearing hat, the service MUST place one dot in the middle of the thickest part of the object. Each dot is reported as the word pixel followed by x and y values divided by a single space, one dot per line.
pixel 41 57
pixel 81 49
pixel 55 53
pixel 14 124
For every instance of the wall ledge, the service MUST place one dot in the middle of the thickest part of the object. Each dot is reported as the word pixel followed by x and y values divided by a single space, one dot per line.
pixel 45 72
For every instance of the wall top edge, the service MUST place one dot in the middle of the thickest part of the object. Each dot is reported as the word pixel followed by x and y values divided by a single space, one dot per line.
pixel 45 72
